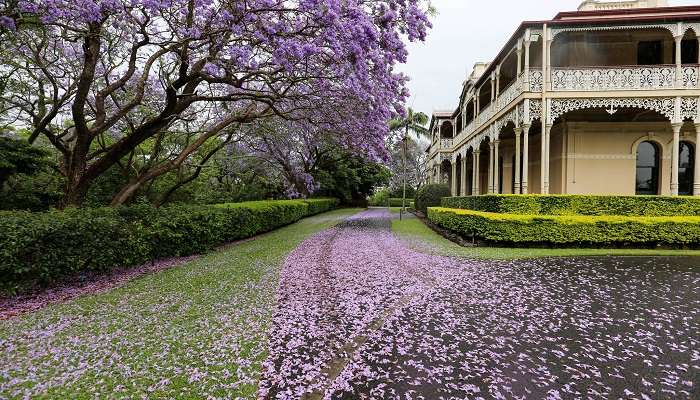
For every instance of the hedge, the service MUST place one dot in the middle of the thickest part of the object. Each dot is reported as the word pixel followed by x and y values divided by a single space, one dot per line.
pixel 578 205
pixel 39 248
pixel 398 202
pixel 564 229
pixel 430 196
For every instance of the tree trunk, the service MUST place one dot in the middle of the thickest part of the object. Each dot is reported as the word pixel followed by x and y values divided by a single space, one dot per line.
pixel 74 194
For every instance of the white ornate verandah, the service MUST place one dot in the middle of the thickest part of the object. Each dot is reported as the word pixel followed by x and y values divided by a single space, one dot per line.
pixel 521 116
pixel 548 93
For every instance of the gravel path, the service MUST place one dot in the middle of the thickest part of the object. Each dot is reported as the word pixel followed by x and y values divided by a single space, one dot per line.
pixel 360 316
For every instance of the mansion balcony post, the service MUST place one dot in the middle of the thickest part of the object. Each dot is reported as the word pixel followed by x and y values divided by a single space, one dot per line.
pixel 526 67
pixel 674 157
pixel 544 168
pixel 679 65
pixel 526 159
pixel 453 181
pixel 496 168
pixel 518 133
pixel 463 177
pixel 491 149
pixel 475 172
pixel 498 82
pixel 696 175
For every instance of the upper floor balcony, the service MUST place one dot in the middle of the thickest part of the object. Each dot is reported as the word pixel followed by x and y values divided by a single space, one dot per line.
pixel 588 59
pixel 631 77
pixel 638 58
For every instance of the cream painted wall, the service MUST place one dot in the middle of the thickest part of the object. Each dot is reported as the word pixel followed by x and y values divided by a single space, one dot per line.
pixel 589 158
pixel 601 157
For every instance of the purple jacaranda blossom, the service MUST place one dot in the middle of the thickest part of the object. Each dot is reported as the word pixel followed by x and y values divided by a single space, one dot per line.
pixel 360 315
pixel 150 66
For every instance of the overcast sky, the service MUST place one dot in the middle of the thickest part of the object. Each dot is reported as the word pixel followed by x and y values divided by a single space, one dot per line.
pixel 465 32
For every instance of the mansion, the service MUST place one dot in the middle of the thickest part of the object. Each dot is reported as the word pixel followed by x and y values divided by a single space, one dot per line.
pixel 603 100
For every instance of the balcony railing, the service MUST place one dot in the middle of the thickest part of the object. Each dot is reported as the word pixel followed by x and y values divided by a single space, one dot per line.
pixel 445 144
pixel 536 80
pixel 690 76
pixel 509 94
pixel 623 78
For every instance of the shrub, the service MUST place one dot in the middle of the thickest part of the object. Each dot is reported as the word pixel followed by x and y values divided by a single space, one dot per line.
pixel 565 229
pixel 380 198
pixel 398 202
pixel 578 205
pixel 47 246
pixel 430 196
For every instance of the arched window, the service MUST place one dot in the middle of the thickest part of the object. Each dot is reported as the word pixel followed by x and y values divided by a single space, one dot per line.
pixel 686 168
pixel 647 182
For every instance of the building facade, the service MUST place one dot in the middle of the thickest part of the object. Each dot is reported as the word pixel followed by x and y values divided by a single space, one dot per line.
pixel 605 101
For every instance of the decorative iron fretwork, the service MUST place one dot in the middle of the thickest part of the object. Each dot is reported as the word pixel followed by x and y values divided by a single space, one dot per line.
pixel 535 110
pixel 510 94
pixel 663 105
pixel 627 78
pixel 690 76
pixel 536 80
pixel 689 109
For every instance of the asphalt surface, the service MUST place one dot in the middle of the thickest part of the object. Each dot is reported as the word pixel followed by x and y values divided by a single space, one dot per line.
pixel 360 316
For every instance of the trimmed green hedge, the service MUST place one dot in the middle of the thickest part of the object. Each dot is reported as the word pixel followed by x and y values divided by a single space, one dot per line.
pixel 558 229
pixel 430 196
pixel 397 202
pixel 578 205
pixel 47 246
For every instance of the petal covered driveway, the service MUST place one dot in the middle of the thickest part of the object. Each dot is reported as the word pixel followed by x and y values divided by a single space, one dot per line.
pixel 360 315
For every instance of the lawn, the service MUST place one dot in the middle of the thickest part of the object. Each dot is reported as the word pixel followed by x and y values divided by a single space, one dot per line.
pixel 196 330
pixel 420 237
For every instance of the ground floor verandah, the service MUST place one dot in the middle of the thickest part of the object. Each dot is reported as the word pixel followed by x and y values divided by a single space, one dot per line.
pixel 594 151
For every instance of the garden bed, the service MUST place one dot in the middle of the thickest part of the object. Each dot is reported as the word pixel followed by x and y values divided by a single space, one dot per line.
pixel 650 206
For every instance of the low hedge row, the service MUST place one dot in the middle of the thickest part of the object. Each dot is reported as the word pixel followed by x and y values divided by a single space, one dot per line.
pixel 558 229
pixel 578 205
pixel 47 246
pixel 398 202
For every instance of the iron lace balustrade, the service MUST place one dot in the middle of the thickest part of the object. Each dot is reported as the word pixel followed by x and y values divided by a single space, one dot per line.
pixel 633 77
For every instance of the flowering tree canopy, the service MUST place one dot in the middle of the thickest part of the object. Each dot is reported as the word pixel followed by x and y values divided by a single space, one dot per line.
pixel 99 78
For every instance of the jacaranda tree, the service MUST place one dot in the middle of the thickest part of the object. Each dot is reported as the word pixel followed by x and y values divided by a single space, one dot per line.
pixel 99 78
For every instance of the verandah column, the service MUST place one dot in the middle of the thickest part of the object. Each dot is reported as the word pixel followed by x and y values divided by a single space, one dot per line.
pixel 526 158
pixel 696 175
pixel 526 62
pixel 679 66
pixel 544 168
pixel 496 168
pixel 475 184
pixel 453 181
pixel 490 188
pixel 463 176
pixel 674 157
pixel 516 167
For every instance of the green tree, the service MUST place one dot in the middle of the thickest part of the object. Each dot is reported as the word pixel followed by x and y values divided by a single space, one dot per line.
pixel 348 177
pixel 414 122
pixel 20 157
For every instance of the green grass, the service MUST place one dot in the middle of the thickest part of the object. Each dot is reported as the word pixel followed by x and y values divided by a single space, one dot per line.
pixel 420 237
pixel 193 331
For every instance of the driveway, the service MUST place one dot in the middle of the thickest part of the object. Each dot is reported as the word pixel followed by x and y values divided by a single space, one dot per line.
pixel 361 316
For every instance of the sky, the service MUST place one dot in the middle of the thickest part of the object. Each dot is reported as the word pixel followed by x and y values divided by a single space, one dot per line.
pixel 465 32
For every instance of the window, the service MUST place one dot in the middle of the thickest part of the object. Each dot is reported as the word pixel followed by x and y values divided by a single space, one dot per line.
pixel 686 168
pixel 647 180
pixel 650 53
